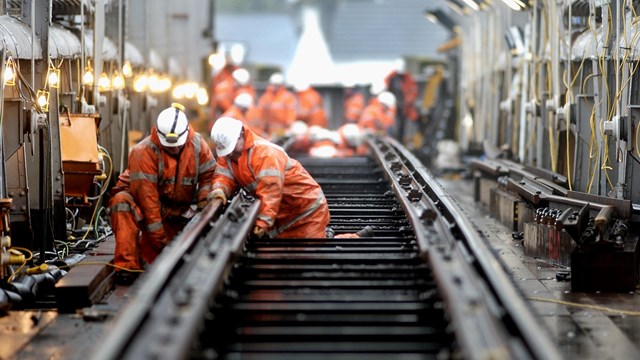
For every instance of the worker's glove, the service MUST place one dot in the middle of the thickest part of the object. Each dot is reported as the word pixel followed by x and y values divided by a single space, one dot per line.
pixel 217 194
pixel 258 231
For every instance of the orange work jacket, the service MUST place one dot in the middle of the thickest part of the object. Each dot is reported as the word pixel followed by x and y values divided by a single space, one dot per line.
pixel 277 109
pixel 310 108
pixel 159 181
pixel 288 194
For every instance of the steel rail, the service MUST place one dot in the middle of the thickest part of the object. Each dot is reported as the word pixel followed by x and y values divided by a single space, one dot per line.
pixel 176 290
pixel 490 317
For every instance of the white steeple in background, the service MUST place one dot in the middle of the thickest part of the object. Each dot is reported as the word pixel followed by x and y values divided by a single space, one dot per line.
pixel 312 62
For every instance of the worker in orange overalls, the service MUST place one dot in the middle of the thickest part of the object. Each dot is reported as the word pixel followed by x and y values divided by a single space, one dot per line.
pixel 353 104
pixel 352 141
pixel 226 91
pixel 244 110
pixel 221 83
pixel 170 171
pixel 324 142
pixel 277 107
pixel 298 138
pixel 309 105
pixel 292 203
pixel 379 115
pixel 243 84
pixel 403 86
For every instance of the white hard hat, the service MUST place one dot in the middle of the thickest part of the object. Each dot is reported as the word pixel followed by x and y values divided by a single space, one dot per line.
pixel 300 85
pixel 377 87
pixel 225 133
pixel 276 79
pixel 399 65
pixel 243 100
pixel 172 126
pixel 298 128
pixel 351 134
pixel 241 76
pixel 387 98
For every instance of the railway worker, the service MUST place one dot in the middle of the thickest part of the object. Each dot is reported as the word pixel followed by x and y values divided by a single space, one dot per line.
pixel 225 92
pixel 243 84
pixel 244 110
pixel 353 104
pixel 221 83
pixel 403 86
pixel 352 141
pixel 292 203
pixel 169 171
pixel 298 138
pixel 277 107
pixel 379 115
pixel 309 105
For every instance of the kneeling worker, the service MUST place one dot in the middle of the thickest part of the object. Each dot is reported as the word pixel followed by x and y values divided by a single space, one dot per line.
pixel 292 203
pixel 169 170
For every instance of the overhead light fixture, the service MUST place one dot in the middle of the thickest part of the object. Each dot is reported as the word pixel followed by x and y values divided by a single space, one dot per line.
pixel 141 83
pixel 53 77
pixel 10 72
pixel 42 98
pixel 117 81
pixel 87 77
pixel 104 83
pixel 127 71
pixel 437 16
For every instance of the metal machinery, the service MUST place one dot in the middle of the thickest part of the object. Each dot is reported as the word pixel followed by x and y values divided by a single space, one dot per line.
pixel 75 92
pixel 548 90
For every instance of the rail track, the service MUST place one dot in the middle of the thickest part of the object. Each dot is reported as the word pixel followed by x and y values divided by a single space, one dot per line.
pixel 423 286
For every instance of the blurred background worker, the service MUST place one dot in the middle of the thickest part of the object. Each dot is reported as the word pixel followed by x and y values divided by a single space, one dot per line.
pixel 352 141
pixel 403 86
pixel 277 107
pixel 169 171
pixel 225 92
pixel 309 105
pixel 243 83
pixel 297 138
pixel 324 142
pixel 353 103
pixel 221 81
pixel 379 115
pixel 292 203
pixel 244 110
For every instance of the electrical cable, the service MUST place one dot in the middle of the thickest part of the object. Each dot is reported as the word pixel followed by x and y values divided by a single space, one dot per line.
pixel 587 306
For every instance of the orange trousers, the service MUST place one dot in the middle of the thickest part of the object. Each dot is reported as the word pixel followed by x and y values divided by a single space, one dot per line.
pixel 133 247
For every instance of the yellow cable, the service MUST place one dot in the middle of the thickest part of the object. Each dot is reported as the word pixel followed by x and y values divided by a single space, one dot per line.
pixel 587 306
pixel 23 263
pixel 104 263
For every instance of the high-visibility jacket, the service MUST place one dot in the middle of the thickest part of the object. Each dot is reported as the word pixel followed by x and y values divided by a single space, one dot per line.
pixel 224 76
pixel 249 117
pixel 377 117
pixel 277 109
pixel 292 203
pixel 404 87
pixel 310 108
pixel 152 193
pixel 353 106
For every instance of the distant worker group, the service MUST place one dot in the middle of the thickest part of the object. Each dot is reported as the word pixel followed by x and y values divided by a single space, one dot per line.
pixel 172 173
